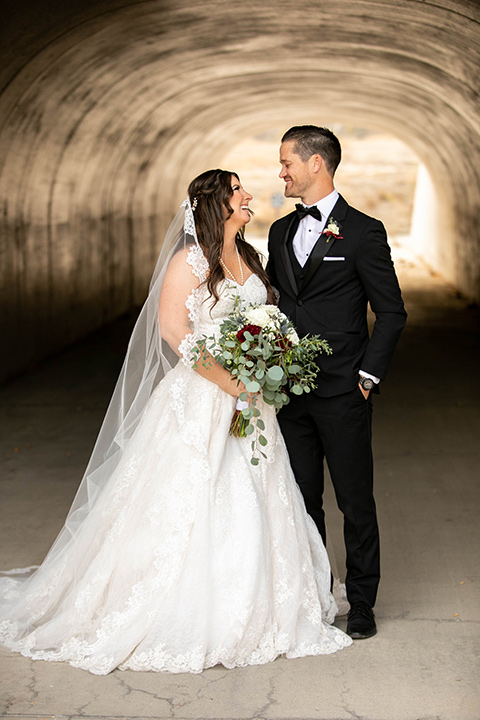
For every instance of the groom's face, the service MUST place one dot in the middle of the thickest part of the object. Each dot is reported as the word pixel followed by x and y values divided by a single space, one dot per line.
pixel 296 173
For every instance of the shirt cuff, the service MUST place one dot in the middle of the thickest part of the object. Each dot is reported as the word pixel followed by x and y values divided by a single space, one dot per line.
pixel 375 379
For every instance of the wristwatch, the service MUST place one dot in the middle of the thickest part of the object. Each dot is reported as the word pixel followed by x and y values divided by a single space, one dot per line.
pixel 366 383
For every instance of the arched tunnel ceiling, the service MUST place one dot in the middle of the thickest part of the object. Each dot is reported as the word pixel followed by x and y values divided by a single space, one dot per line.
pixel 108 110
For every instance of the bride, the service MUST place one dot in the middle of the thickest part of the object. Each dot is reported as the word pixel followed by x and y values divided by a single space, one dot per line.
pixel 178 553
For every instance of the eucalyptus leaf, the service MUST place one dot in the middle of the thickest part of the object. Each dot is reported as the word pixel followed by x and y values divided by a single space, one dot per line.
pixel 263 366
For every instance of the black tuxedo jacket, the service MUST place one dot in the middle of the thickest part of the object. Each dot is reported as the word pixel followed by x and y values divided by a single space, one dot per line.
pixel 341 277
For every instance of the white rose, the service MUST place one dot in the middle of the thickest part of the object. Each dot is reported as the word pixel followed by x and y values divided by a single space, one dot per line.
pixel 333 228
pixel 258 316
pixel 272 310
pixel 293 337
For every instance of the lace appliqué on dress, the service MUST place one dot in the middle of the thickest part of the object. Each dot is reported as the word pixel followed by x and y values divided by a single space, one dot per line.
pixel 189 222
pixel 186 347
pixel 199 264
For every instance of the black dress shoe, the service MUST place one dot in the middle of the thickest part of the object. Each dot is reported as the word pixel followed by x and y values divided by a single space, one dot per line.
pixel 361 621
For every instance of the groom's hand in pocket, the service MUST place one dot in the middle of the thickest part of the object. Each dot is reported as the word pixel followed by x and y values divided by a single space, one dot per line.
pixel 365 393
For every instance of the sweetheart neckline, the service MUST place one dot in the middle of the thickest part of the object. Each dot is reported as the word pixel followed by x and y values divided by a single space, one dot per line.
pixel 225 279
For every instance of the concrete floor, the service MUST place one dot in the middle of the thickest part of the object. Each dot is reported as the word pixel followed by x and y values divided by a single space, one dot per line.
pixel 422 665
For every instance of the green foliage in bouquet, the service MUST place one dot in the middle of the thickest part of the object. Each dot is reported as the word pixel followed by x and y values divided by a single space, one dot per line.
pixel 260 347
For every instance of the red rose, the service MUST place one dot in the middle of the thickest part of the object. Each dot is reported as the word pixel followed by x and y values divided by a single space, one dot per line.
pixel 284 342
pixel 252 329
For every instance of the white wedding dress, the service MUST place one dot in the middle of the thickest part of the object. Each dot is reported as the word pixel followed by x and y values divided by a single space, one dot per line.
pixel 192 556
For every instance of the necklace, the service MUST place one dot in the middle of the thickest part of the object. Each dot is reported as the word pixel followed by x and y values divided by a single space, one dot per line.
pixel 239 265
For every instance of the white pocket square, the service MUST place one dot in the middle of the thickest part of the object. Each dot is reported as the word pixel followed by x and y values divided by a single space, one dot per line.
pixel 329 257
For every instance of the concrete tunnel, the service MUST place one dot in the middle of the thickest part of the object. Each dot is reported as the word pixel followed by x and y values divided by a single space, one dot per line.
pixel 109 107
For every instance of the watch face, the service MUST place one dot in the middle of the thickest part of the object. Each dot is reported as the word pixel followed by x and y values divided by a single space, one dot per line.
pixel 366 383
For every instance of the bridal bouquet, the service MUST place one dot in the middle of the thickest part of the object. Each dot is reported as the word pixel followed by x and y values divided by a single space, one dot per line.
pixel 259 345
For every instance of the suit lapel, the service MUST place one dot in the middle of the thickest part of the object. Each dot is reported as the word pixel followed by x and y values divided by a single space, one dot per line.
pixel 321 248
pixel 324 243
pixel 285 255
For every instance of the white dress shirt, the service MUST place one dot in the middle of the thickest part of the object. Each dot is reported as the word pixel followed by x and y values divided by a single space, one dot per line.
pixel 309 229
pixel 308 232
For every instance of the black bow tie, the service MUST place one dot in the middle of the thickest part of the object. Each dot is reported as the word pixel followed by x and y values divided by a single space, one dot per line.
pixel 302 211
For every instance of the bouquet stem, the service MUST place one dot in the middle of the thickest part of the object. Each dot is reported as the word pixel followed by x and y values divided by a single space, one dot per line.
pixel 239 424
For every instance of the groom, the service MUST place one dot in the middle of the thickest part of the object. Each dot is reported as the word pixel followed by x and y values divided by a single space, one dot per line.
pixel 329 261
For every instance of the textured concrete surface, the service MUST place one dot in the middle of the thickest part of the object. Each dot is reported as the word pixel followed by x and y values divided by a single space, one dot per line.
pixel 109 107
pixel 424 662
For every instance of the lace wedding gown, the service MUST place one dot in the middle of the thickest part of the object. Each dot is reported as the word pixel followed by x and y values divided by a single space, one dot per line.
pixel 192 556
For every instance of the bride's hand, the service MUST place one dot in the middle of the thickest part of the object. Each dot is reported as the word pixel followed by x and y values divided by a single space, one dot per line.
pixel 233 387
pixel 236 389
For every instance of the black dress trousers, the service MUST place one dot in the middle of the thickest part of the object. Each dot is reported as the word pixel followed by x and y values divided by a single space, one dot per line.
pixel 338 429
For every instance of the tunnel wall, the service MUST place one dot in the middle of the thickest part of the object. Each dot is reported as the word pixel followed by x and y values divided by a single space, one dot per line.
pixel 108 110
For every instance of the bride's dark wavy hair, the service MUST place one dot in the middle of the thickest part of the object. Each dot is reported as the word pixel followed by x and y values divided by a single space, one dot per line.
pixel 212 191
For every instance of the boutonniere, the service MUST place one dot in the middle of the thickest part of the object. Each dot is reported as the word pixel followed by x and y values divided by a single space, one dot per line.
pixel 332 229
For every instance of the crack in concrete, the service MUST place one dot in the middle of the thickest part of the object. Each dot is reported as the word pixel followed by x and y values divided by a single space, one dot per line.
pixel 344 694
pixel 80 710
pixel 211 681
pixel 130 690
pixel 8 703
pixel 255 717
pixel 406 618
pixel 262 712
pixel 353 716
pixel 33 681
pixel 208 681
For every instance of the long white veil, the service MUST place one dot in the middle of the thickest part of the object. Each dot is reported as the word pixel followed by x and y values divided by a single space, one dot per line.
pixel 147 361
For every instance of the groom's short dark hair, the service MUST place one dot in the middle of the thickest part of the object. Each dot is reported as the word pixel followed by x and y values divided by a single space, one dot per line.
pixel 312 140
